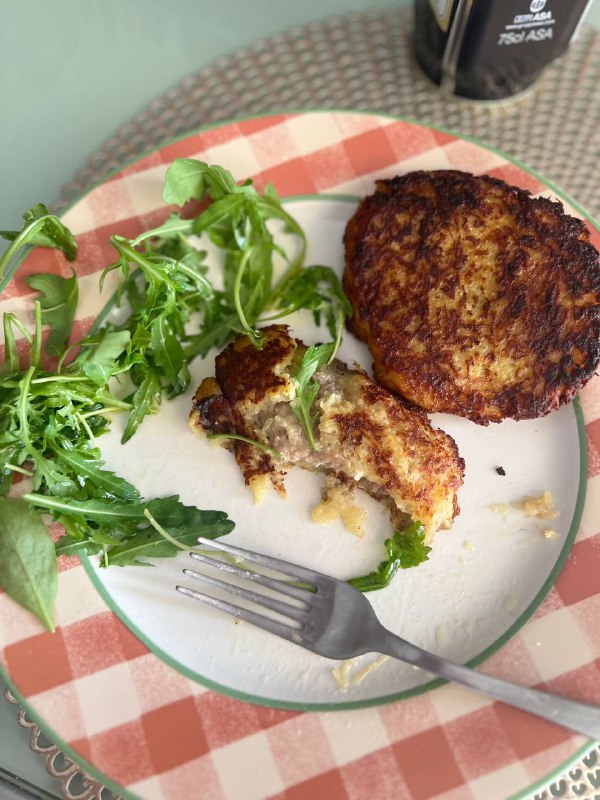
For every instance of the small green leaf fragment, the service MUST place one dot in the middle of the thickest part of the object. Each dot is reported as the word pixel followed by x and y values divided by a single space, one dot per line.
pixel 185 180
pixel 307 389
pixel 404 549
pixel 144 401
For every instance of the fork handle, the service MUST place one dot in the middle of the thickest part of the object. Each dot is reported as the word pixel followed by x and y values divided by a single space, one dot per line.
pixel 580 717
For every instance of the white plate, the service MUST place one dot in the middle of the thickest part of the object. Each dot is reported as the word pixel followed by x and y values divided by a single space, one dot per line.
pixel 480 584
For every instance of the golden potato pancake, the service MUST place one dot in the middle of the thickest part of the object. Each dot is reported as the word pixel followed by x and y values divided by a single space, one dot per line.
pixel 473 297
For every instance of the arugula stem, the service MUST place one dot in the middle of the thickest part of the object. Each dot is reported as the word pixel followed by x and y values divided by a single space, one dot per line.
pixel 338 336
pixel 166 535
pixel 126 512
pixel 184 226
pixel 22 405
pixel 80 418
pixel 61 379
pixel 195 276
pixel 14 247
pixel 104 410
pixel 36 354
pixel 266 447
pixel 235 561
pixel 15 468
pixel 236 293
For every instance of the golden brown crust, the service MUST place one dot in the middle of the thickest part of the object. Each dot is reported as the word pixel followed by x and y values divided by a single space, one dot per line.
pixel 366 437
pixel 474 298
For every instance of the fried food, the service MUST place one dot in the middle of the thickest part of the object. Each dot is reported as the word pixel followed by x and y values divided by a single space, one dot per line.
pixel 473 297
pixel 366 437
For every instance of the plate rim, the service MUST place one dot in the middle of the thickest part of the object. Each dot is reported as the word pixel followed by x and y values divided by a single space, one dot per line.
pixel 582 751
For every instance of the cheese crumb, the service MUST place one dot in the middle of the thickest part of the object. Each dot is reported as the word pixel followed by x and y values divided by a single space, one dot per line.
pixel 259 485
pixel 335 505
pixel 510 603
pixel 499 508
pixel 542 506
pixel 344 679
pixel 341 674
pixel 362 673
pixel 550 533
pixel 469 546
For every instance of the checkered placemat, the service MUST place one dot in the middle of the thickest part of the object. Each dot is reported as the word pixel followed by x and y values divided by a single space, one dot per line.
pixel 150 731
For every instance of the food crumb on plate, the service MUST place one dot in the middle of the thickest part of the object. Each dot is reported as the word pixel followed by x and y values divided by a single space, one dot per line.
pixel 501 471
pixel 442 637
pixel 499 508
pixel 550 533
pixel 341 674
pixel 337 503
pixel 343 677
pixel 541 506
pixel 510 602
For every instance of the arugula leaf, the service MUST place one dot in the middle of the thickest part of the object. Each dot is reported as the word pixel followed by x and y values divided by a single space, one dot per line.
pixel 28 571
pixel 88 467
pixel 307 389
pixel 122 529
pixel 111 512
pixel 236 222
pixel 404 549
pixel 144 401
pixel 188 179
pixel 184 523
pixel 99 355
pixel 41 228
pixel 58 300
pixel 185 179
pixel 168 354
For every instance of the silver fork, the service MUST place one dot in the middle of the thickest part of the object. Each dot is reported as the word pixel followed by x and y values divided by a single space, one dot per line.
pixel 333 619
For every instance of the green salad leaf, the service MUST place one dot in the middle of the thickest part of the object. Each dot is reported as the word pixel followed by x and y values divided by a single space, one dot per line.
pixel 58 300
pixel 404 549
pixel 28 569
pixel 170 313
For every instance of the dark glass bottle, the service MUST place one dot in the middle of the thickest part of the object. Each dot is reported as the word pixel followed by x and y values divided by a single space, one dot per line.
pixel 492 49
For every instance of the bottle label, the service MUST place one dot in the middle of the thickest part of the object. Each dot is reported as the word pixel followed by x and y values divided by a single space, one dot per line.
pixel 534 26
pixel 442 10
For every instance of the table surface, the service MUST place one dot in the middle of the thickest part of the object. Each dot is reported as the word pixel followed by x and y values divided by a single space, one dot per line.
pixel 70 74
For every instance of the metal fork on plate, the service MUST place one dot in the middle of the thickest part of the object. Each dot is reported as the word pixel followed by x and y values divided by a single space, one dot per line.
pixel 333 619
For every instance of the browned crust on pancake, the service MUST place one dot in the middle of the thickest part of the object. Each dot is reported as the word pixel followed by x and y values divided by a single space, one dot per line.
pixel 366 437
pixel 474 298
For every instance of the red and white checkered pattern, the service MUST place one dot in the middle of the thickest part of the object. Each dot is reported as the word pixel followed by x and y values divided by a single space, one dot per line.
pixel 154 732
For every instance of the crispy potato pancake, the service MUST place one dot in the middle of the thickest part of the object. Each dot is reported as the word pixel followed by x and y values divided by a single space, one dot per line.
pixel 474 298
pixel 366 437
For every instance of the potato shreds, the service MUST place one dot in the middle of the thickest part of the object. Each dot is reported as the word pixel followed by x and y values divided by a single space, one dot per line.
pixel 473 297
pixel 365 436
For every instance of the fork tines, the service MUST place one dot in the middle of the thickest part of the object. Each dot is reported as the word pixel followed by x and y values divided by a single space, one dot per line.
pixel 294 613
